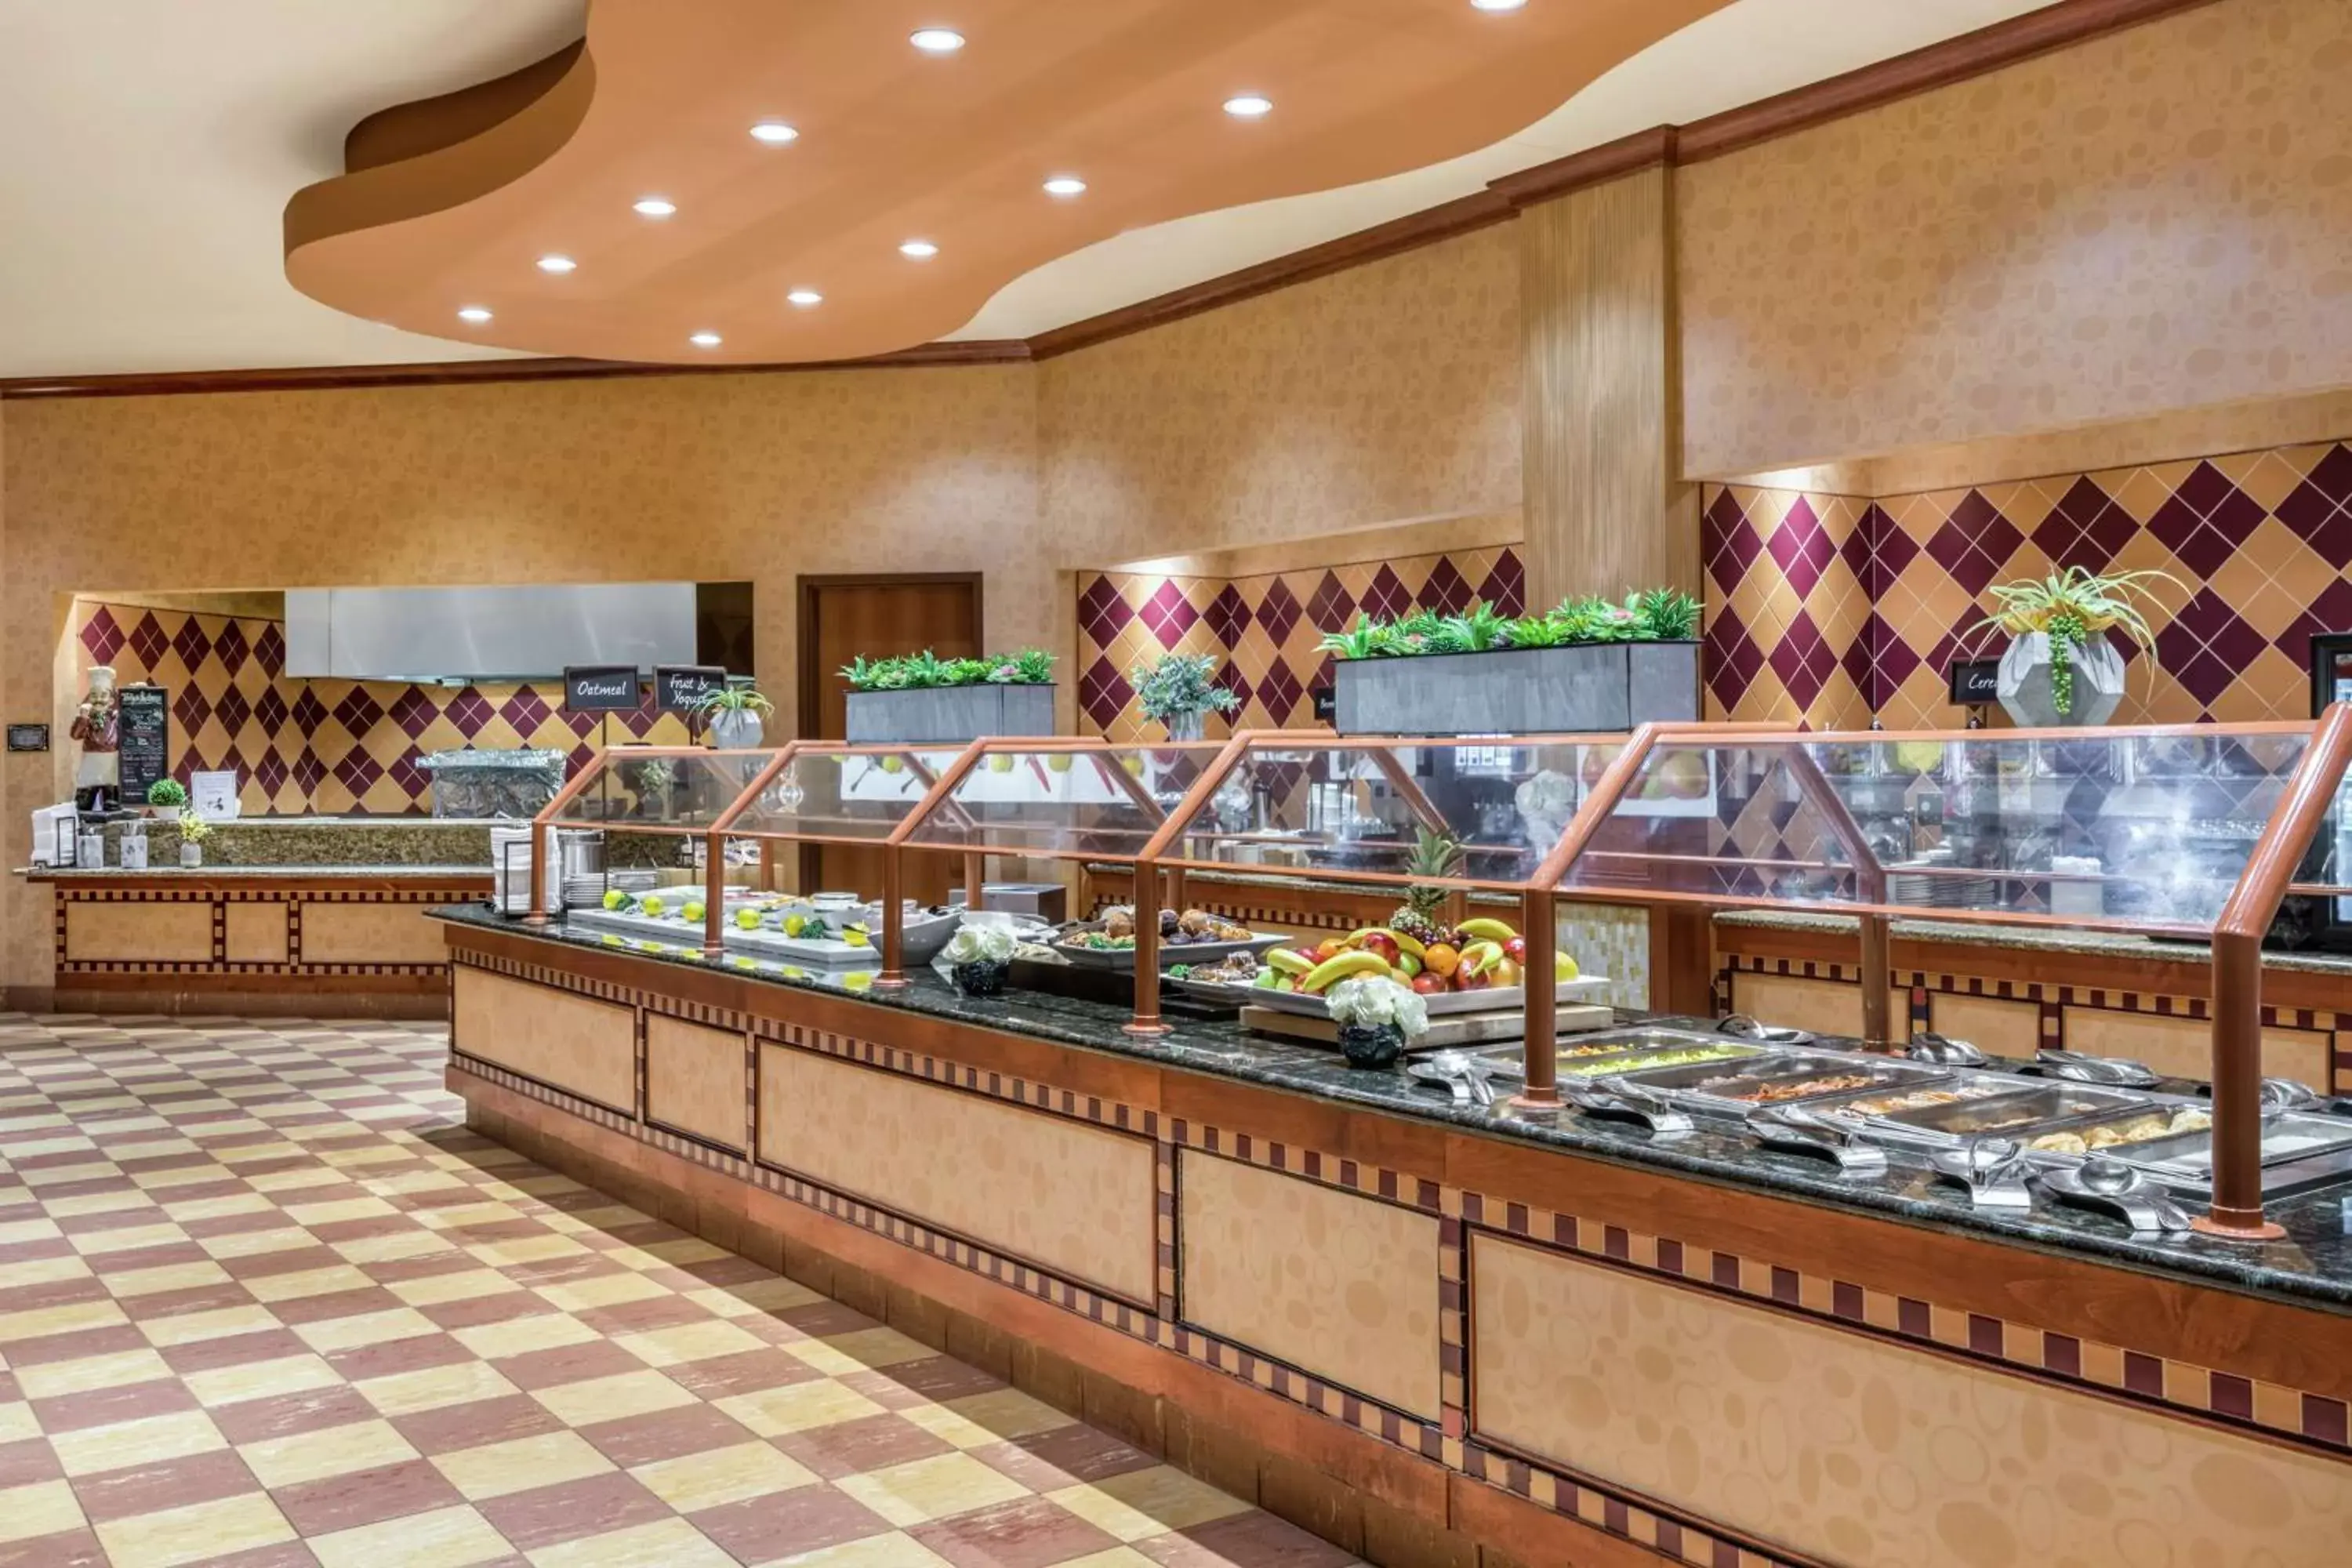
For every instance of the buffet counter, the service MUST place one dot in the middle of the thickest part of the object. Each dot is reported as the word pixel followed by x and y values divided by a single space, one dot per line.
pixel 1409 1323
pixel 2013 989
pixel 286 915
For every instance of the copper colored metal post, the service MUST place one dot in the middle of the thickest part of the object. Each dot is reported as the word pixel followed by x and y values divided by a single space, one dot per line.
pixel 1540 926
pixel 714 894
pixel 894 921
pixel 1877 1020
pixel 1147 954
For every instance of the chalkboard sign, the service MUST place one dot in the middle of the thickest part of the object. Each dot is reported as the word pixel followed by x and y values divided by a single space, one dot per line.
pixel 601 689
pixel 28 737
pixel 144 724
pixel 1327 702
pixel 1975 681
pixel 681 688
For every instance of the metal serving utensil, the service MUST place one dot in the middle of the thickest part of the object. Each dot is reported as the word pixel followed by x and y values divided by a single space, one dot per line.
pixel 2103 1182
pixel 1743 1026
pixel 1470 1077
pixel 1992 1167
pixel 1616 1099
pixel 1944 1052
pixel 1794 1130
pixel 2281 1095
pixel 2080 1067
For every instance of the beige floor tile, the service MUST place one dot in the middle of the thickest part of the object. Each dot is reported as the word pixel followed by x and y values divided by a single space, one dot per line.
pixel 366 1328
pixel 1117 1557
pixel 47 1380
pixel 773 1412
pixel 666 1544
pixel 293 1181
pixel 44 1271
pixel 172 1277
pixel 336 1451
pixel 462 1285
pixel 774 1294
pixel 696 1481
pixel 932 1488
pixel 254 1243
pixel 892 1550
pixel 261 1380
pixel 339 1209
pixel 19 1230
pixel 1147 1502
pixel 307 1282
pixel 447 1538
pixel 689 1341
pixel 612 1398
pixel 187 1209
pixel 468 1215
pixel 1009 1413
pixel 605 1290
pixel 65 1319
pixel 525 1249
pixel 545 1330
pixel 406 1393
pixel 46 1507
pixel 147 1441
pixel 219 1323
pixel 17 1422
pixel 521 1464
pixel 845 1354
pixel 417 1243
pixel 196 1534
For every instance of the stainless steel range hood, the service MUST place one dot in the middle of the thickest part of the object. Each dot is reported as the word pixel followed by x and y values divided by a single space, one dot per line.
pixel 486 634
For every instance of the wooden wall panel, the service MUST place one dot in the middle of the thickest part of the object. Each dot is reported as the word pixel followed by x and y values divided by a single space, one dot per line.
pixel 2004 1028
pixel 255 933
pixel 1825 1006
pixel 586 1047
pixel 1345 1286
pixel 139 932
pixel 2184 1046
pixel 1860 1452
pixel 1078 1200
pixel 695 1080
pixel 370 934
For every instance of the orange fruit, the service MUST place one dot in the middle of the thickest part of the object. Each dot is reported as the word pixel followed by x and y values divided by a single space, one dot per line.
pixel 1331 947
pixel 1440 958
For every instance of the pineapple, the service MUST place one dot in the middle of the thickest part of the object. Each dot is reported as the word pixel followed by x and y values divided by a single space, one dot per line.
pixel 1433 855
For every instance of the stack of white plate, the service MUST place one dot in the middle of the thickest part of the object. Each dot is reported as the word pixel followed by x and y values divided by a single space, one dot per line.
pixel 589 890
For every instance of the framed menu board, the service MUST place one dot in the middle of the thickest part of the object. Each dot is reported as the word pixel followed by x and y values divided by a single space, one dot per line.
pixel 144 723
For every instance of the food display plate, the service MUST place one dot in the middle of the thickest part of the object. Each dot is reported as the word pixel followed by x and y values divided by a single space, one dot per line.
pixel 1122 961
pixel 1617 1051
pixel 2286 1138
pixel 1779 1077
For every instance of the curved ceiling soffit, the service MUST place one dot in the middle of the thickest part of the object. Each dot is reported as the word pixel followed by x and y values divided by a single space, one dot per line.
pixel 449 203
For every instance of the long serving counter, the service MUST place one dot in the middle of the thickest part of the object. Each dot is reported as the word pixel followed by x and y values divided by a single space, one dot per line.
pixel 1383 1313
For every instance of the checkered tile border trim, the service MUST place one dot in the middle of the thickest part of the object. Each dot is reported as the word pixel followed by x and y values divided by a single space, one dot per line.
pixel 2276 1411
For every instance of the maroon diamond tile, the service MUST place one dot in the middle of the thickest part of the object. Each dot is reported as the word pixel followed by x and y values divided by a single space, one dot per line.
pixel 412 711
pixel 1975 543
pixel 1103 693
pixel 192 763
pixel 271 772
pixel 582 756
pixel 1729 543
pixel 1447 590
pixel 1893 660
pixel 233 710
pixel 1505 587
pixel 584 724
pixel 148 641
pixel 2206 646
pixel 1801 546
pixel 1103 611
pixel 192 645
pixel 309 771
pixel 1169 613
pixel 1280 691
pixel 359 712
pixel 232 761
pixel 469 710
pixel 1891 550
pixel 1731 659
pixel 1231 678
pixel 1968 638
pixel 2085 529
pixel 191 709
pixel 1228 616
pixel 1332 605
pixel 269 711
pixel 270 648
pixel 1861 659
pixel 2330 612
pixel 2206 520
pixel 231 646
pixel 526 711
pixel 1803 659
pixel 102 635
pixel 2319 509
pixel 1279 611
pixel 309 713
pixel 1858 549
pixel 413 780
pixel 1385 597
pixel 357 772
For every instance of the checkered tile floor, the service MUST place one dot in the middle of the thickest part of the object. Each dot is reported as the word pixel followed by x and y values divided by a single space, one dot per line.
pixel 265 1301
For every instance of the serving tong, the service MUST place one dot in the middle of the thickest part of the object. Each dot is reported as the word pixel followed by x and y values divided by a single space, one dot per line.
pixel 1469 1079
pixel 1742 1027
pixel 1943 1050
pixel 1992 1168
pixel 2107 1185
pixel 1822 1134
pixel 2081 1066
pixel 1620 1099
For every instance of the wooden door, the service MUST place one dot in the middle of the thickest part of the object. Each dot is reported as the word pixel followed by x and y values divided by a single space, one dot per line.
pixel 841 617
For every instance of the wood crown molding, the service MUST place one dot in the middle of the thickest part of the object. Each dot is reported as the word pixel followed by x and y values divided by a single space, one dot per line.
pixel 1971 55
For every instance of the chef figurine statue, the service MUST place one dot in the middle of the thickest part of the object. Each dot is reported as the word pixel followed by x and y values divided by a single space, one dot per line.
pixel 97 724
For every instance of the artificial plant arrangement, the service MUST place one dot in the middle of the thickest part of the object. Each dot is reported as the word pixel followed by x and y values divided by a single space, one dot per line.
pixel 1377 1017
pixel 1649 615
pixel 167 795
pixel 735 715
pixel 2070 608
pixel 194 831
pixel 979 957
pixel 927 671
pixel 1179 691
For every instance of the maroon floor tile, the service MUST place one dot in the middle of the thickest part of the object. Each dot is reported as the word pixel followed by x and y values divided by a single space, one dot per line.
pixel 568 1363
pixel 74 1549
pixel 594 1505
pixel 644 1317
pixel 28 1460
pixel 178 1303
pixel 336 1304
pixel 285 1555
pixel 504 1306
pixel 234 1224
pixel 287 1261
pixel 53 1293
pixel 75 1346
pixel 636 1440
pixel 107 1406
pixel 1243 1541
pixel 854 1447
pixel 743 1372
pixel 31 1251
pixel 476 1423
pixel 415 1353
pixel 1033 1532
pixel 808 1519
pixel 1047 1461
pixel 168 1483
pixel 132 1258
pixel 366 1497
pixel 234 1350
pixel 288 1414
pixel 938 1378
pixel 425 1265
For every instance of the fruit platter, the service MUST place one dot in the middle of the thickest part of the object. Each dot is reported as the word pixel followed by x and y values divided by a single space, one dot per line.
pixel 1477 966
pixel 772 926
pixel 1193 939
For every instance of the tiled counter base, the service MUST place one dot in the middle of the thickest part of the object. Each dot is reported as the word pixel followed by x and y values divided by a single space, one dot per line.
pixel 1423 1332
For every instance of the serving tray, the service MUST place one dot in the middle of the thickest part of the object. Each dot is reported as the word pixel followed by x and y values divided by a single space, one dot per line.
pixel 1508 1001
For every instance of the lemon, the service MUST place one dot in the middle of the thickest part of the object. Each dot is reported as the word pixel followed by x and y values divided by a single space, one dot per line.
pixel 694 911
pixel 615 899
pixel 1564 967
pixel 747 919
pixel 853 937
pixel 653 908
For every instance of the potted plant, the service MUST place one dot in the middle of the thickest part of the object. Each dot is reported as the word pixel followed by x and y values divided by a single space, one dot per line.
pixel 2060 669
pixel 1181 691
pixel 166 794
pixel 978 957
pixel 735 717
pixel 194 831
pixel 1376 1018
pixel 922 698
pixel 1587 664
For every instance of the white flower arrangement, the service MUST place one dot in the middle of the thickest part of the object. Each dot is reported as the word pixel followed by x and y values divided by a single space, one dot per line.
pixel 1371 1001
pixel 980 944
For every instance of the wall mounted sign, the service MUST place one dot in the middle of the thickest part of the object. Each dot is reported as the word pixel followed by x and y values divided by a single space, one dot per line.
pixel 144 723
pixel 28 737
pixel 1975 681
pixel 212 796
pixel 601 689
pixel 1327 702
pixel 681 688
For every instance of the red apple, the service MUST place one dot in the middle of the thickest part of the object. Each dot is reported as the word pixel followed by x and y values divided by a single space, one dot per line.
pixel 1464 980
pixel 1428 984
pixel 1382 946
pixel 1516 950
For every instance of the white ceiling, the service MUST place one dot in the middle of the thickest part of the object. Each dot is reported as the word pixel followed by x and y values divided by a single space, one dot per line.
pixel 148 147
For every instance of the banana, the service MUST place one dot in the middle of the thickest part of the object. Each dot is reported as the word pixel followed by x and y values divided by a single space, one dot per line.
pixel 1289 963
pixel 1481 956
pixel 1487 929
pixel 1404 944
pixel 1331 971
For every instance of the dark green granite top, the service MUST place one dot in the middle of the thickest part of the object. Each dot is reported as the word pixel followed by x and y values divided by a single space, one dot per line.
pixel 371 845
pixel 2312 1268
pixel 283 873
pixel 2036 939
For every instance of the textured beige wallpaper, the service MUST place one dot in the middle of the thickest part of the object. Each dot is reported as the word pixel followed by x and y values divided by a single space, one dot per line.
pixel 2154 220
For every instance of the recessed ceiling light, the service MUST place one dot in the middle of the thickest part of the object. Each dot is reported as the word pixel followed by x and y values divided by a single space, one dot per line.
pixel 704 339
pixel 1066 186
pixel 476 314
pixel 655 206
pixel 936 40
pixel 556 263
pixel 775 133
pixel 918 249
pixel 1499 4
pixel 1249 106
pixel 806 298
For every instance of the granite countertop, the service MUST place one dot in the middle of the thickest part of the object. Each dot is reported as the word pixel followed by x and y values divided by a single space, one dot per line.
pixel 288 873
pixel 2312 1268
pixel 2036 939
